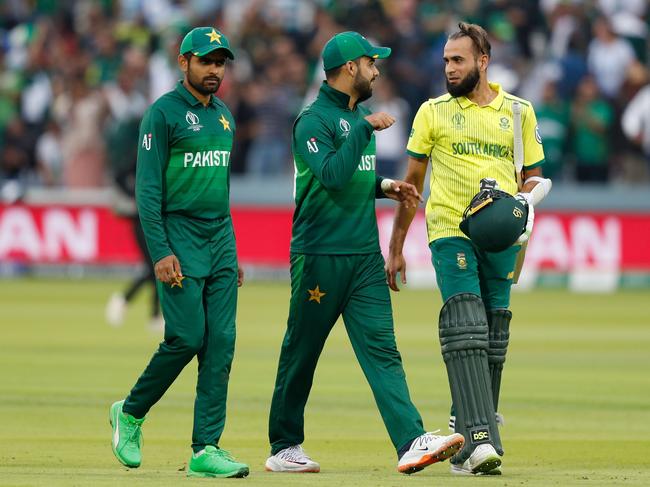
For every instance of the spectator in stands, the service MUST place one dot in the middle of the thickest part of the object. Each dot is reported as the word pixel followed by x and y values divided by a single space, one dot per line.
pixel 275 105
pixel 608 58
pixel 49 155
pixel 553 122
pixel 390 143
pixel 81 111
pixel 47 45
pixel 636 121
pixel 591 119
pixel 17 155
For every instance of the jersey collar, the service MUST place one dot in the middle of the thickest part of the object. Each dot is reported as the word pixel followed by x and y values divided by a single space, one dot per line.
pixel 465 102
pixel 190 98
pixel 335 97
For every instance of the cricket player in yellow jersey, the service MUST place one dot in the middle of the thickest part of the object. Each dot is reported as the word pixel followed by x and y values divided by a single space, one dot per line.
pixel 468 136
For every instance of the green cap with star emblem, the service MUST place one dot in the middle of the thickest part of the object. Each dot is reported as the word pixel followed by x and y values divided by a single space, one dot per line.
pixel 203 40
pixel 347 46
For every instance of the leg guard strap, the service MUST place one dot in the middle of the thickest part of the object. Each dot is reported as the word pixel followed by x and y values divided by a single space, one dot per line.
pixel 499 335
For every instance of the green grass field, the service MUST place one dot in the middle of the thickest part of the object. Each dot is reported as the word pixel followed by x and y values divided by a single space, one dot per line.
pixel 576 392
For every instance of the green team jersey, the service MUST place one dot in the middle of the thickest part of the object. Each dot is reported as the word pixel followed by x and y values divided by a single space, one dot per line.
pixel 335 183
pixel 183 163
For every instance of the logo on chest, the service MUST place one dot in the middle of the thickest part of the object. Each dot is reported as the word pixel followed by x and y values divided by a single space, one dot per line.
pixel 193 121
pixel 344 125
pixel 458 121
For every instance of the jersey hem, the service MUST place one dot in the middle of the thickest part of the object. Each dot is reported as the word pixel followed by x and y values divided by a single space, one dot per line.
pixel 334 252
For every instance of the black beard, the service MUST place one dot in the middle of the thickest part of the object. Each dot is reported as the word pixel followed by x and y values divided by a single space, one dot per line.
pixel 466 86
pixel 201 88
pixel 363 88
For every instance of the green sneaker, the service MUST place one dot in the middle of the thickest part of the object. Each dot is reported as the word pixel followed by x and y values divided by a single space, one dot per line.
pixel 215 462
pixel 127 437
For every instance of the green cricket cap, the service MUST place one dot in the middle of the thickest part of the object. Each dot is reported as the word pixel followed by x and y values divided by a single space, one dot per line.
pixel 347 46
pixel 203 40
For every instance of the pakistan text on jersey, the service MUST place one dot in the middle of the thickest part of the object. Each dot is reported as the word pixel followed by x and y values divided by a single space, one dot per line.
pixel 206 158
pixel 495 150
pixel 367 163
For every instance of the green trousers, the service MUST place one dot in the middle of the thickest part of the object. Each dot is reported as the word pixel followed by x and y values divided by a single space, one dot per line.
pixel 463 268
pixel 324 287
pixel 199 321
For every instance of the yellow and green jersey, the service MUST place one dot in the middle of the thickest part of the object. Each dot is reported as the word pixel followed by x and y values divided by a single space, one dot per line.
pixel 467 143
pixel 183 163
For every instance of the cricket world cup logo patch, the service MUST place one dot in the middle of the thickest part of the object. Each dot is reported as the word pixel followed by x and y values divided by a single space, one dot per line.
pixel 459 121
pixel 344 125
pixel 193 121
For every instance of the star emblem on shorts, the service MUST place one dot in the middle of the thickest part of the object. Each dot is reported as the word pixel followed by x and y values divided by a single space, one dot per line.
pixel 224 121
pixel 315 294
pixel 214 37
pixel 178 281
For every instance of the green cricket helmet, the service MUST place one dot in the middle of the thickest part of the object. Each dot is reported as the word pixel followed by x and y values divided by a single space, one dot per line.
pixel 494 220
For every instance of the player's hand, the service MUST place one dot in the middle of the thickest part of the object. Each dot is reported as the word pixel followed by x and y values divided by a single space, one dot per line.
pixel 395 264
pixel 168 270
pixel 380 120
pixel 405 193
pixel 525 198
pixel 240 277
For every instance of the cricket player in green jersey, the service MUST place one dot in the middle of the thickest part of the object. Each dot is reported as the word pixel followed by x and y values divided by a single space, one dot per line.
pixel 336 265
pixel 182 194
pixel 468 135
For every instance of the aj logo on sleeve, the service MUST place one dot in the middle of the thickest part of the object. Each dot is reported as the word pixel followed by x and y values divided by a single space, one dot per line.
pixel 146 141
pixel 311 145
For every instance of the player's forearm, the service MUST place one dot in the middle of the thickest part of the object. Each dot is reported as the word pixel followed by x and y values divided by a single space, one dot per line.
pixel 403 218
pixel 338 168
pixel 153 229
pixel 148 197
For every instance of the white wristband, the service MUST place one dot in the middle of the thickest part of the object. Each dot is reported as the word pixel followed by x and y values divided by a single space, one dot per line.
pixel 540 190
pixel 386 184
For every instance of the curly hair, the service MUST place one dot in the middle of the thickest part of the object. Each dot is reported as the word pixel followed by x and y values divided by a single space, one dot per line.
pixel 478 36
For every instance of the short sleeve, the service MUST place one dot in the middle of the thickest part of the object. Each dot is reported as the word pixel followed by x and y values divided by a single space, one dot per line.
pixel 421 140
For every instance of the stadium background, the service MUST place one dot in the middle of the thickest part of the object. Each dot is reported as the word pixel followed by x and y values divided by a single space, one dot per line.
pixel 76 75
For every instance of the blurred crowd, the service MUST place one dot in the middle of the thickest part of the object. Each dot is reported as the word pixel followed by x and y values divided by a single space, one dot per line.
pixel 76 76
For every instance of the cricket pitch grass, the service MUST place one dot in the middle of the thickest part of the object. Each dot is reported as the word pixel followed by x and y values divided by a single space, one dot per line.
pixel 575 393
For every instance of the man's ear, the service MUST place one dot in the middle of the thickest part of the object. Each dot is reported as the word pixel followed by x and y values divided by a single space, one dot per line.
pixel 351 68
pixel 183 63
pixel 483 60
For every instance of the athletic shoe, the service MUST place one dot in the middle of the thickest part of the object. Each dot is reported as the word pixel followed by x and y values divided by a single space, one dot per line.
pixel 215 462
pixel 292 459
pixel 498 416
pixel 115 310
pixel 427 449
pixel 127 436
pixel 484 460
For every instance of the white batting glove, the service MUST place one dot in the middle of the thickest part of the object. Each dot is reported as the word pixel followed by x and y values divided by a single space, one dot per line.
pixel 526 199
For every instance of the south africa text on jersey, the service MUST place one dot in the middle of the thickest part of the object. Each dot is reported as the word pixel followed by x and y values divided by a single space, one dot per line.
pixel 206 158
pixel 473 148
